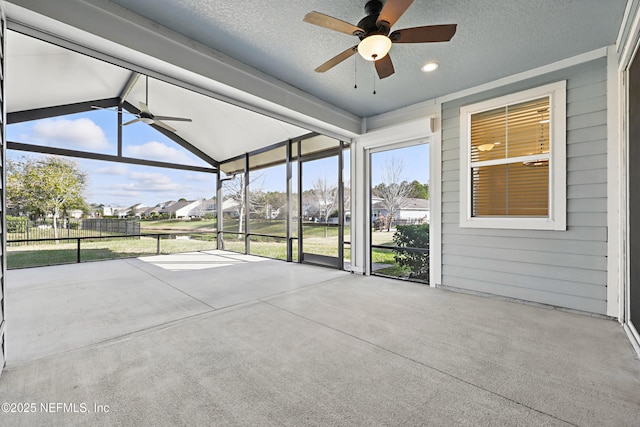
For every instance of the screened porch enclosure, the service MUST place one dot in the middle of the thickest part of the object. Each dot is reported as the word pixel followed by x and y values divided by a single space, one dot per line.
pixel 287 201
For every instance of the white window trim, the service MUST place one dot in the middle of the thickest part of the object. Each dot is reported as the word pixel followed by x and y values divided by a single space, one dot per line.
pixel 557 219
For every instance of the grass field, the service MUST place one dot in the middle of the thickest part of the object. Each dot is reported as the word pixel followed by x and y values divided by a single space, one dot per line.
pixel 177 225
pixel 318 239
pixel 64 253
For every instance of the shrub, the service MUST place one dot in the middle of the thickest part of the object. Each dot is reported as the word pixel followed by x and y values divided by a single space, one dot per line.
pixel 412 236
pixel 16 224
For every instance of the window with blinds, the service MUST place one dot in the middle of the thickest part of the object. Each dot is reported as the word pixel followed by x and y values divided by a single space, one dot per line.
pixel 510 160
pixel 513 160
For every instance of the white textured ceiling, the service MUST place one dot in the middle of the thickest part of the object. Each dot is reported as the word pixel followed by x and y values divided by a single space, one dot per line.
pixel 494 39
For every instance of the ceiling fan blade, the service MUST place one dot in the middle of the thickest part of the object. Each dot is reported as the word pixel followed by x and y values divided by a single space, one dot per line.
pixel 392 11
pixel 426 34
pixel 175 119
pixel 326 21
pixel 337 59
pixel 384 66
pixel 114 109
pixel 131 121
pixel 144 108
pixel 163 125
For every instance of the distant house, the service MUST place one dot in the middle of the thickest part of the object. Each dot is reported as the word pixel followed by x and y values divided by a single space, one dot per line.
pixel 231 207
pixel 180 209
pixel 167 204
pixel 75 213
pixel 412 211
pixel 157 209
pixel 314 207
pixel 154 210
pixel 137 210
pixel 205 207
pixel 120 212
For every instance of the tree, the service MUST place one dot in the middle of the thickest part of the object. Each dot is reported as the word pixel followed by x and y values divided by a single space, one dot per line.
pixel 419 191
pixel 325 196
pixel 46 186
pixel 393 190
pixel 234 189
pixel 276 205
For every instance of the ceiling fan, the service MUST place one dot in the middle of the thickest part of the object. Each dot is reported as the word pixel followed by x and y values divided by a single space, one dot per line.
pixel 145 116
pixel 373 32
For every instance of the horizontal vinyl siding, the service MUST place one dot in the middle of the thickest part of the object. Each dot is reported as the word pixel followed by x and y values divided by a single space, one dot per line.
pixel 560 268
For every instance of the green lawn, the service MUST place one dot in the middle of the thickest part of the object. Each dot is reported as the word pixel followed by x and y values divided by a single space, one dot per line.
pixel 165 225
pixel 64 253
pixel 319 239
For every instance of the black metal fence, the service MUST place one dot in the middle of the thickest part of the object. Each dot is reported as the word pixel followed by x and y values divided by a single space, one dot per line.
pixel 117 226
pixel 66 250
pixel 25 229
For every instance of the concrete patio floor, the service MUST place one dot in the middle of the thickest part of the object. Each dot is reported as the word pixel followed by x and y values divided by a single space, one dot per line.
pixel 224 339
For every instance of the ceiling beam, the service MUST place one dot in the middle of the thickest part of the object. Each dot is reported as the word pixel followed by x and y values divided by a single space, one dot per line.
pixel 133 79
pixel 60 110
pixel 11 145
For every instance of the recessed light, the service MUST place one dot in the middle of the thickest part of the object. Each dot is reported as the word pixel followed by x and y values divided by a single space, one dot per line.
pixel 430 66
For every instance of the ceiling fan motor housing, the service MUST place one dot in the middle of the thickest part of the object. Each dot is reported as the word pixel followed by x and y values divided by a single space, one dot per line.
pixel 373 7
pixel 368 23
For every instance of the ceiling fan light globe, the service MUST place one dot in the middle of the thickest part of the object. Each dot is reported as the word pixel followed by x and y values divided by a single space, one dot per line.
pixel 374 47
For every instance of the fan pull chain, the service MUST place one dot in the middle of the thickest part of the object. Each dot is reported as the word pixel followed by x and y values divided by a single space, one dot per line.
pixel 374 83
pixel 355 72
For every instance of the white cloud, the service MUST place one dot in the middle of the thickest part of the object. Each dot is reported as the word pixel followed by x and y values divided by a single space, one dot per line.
pixel 201 177
pixel 154 150
pixel 148 188
pixel 149 182
pixel 80 133
pixel 117 169
pixel 139 183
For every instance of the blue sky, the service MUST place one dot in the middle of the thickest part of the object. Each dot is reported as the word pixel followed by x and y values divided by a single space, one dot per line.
pixel 414 159
pixel 118 184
